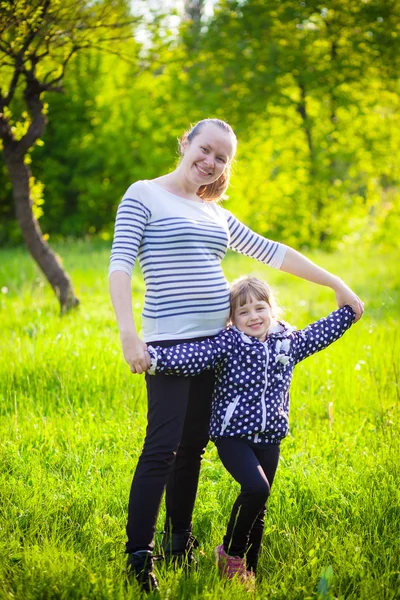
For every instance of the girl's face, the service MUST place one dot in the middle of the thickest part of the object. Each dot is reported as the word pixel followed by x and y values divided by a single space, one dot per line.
pixel 253 318
pixel 206 156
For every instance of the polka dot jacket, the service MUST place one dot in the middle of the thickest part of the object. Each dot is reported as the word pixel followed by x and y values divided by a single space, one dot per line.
pixel 251 395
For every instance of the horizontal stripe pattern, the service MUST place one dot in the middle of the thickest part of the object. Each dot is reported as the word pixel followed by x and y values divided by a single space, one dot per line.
pixel 187 294
pixel 247 242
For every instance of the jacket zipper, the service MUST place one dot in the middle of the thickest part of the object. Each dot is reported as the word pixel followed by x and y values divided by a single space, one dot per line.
pixel 263 406
pixel 228 413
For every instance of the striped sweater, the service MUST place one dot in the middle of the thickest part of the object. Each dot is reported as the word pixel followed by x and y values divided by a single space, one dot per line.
pixel 180 244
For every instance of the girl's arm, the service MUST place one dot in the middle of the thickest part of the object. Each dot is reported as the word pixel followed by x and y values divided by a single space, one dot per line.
pixel 322 333
pixel 297 264
pixel 191 358
pixel 133 348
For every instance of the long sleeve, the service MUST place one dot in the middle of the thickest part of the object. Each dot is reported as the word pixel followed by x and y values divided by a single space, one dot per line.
pixel 322 333
pixel 191 358
pixel 132 216
pixel 246 241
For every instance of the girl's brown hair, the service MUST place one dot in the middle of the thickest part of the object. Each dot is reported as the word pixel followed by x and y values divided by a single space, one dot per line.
pixel 212 192
pixel 248 288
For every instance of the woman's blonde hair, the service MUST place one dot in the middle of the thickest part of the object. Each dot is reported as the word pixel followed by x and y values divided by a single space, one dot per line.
pixel 212 192
pixel 248 288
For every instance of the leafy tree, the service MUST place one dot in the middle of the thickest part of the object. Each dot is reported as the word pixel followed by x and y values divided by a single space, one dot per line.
pixel 39 38
pixel 310 86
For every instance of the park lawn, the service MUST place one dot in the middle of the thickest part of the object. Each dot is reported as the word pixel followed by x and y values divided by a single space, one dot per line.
pixel 73 419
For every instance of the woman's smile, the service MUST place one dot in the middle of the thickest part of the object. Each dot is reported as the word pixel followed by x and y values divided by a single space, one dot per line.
pixel 203 172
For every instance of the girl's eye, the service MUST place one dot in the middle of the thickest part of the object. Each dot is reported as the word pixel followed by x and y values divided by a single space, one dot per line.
pixel 221 159
pixel 204 149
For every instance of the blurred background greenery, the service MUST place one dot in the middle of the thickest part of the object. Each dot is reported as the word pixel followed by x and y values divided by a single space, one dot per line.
pixel 310 88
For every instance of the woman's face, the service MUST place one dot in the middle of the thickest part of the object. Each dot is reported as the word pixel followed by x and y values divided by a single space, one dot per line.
pixel 207 155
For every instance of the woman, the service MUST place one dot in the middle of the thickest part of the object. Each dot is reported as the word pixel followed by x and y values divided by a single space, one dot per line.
pixel 180 234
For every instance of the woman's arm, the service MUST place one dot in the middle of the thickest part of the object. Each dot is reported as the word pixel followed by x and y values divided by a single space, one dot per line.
pixel 297 264
pixel 279 256
pixel 133 348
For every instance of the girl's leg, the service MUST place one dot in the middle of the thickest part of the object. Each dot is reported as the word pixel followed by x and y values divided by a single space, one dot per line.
pixel 254 543
pixel 167 402
pixel 240 459
pixel 268 459
pixel 183 479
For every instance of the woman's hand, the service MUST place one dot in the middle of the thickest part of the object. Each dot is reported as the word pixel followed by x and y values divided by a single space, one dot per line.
pixel 344 295
pixel 135 352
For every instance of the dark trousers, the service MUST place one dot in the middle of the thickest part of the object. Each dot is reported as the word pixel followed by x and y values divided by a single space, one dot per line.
pixel 254 468
pixel 179 410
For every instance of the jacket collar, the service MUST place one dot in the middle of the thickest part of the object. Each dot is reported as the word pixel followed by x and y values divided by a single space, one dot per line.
pixel 279 330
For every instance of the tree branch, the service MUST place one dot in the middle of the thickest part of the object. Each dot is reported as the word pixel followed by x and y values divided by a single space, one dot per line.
pixel 5 101
pixel 38 122
pixel 5 131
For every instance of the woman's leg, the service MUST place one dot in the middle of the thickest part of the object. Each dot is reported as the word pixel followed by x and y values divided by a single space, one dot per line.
pixel 240 459
pixel 183 479
pixel 167 403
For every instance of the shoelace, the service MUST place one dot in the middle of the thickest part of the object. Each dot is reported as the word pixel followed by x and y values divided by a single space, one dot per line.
pixel 157 557
pixel 192 542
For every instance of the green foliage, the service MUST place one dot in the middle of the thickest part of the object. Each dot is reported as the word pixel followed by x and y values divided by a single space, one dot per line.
pixel 310 88
pixel 39 40
pixel 72 421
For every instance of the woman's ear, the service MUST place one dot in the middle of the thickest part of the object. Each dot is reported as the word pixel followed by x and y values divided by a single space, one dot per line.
pixel 183 145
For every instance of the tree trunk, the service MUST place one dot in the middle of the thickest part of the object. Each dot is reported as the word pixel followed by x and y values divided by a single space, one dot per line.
pixel 37 246
pixel 194 10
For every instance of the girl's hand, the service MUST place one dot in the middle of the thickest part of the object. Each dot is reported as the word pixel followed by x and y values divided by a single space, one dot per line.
pixel 135 352
pixel 344 295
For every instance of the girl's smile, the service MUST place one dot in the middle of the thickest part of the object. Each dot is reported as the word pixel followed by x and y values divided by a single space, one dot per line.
pixel 253 318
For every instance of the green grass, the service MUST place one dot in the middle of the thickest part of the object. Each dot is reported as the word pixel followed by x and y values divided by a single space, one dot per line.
pixel 72 420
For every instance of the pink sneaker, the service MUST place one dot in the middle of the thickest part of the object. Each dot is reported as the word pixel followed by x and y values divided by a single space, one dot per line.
pixel 229 566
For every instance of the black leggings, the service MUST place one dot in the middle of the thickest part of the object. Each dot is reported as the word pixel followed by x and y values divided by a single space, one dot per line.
pixel 254 467
pixel 179 410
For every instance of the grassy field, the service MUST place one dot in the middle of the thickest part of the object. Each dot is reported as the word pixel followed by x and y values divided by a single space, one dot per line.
pixel 72 422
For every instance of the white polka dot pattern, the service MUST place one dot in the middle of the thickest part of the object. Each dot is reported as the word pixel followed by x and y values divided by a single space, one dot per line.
pixel 251 395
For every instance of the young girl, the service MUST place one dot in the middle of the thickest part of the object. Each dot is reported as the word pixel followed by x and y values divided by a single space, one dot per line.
pixel 177 229
pixel 253 361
